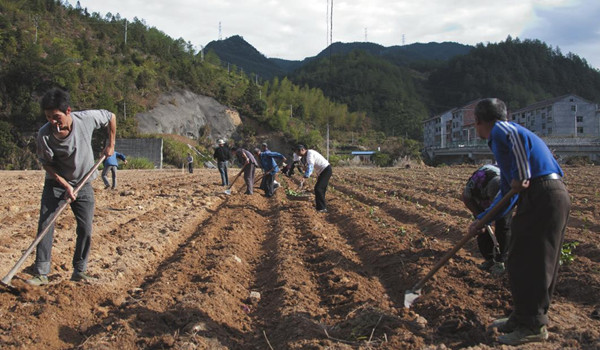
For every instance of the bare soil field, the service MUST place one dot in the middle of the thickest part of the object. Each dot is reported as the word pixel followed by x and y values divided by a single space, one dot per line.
pixel 181 265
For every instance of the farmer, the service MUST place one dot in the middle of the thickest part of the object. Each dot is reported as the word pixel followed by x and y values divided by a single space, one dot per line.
pixel 481 189
pixel 317 163
pixel 538 226
pixel 222 155
pixel 297 163
pixel 190 163
pixel 269 165
pixel 64 148
pixel 246 160
pixel 111 164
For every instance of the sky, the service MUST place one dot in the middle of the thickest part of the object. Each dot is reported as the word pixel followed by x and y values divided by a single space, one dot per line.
pixel 294 30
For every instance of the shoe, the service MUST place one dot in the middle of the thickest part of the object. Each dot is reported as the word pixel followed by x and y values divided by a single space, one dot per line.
pixel 522 335
pixel 498 268
pixel 81 276
pixel 504 325
pixel 106 187
pixel 486 265
pixel 38 280
pixel 322 211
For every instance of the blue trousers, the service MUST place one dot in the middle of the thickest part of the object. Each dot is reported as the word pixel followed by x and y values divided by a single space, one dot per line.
pixel 223 170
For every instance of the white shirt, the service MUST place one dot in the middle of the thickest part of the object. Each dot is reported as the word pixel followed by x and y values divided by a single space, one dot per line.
pixel 315 159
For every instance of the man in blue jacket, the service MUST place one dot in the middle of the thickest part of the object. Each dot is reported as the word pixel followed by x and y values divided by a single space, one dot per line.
pixel 270 168
pixel 111 164
pixel 538 227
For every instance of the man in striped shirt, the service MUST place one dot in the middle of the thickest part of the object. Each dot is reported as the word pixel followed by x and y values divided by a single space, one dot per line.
pixel 538 227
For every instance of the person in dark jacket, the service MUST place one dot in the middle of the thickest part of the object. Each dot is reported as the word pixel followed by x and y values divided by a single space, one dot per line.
pixel 222 155
pixel 111 164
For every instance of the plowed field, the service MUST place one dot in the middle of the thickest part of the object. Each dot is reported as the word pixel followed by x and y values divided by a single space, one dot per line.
pixel 181 265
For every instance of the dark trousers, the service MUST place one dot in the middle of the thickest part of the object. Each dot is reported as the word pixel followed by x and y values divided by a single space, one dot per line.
pixel 83 209
pixel 503 233
pixel 249 178
pixel 223 170
pixel 268 184
pixel 321 188
pixel 191 167
pixel 538 230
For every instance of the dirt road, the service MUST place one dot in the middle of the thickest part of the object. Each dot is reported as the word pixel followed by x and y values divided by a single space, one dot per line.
pixel 182 265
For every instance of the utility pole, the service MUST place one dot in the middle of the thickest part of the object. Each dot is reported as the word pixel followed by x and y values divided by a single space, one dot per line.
pixel 327 141
pixel 220 37
pixel 291 114
pixel 125 31
pixel 36 21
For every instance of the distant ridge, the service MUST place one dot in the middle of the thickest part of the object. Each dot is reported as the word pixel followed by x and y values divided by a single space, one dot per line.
pixel 235 50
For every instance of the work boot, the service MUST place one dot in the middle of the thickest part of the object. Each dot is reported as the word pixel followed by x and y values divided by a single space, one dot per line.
pixel 522 335
pixel 498 268
pixel 504 325
pixel 81 276
pixel 486 265
pixel 38 280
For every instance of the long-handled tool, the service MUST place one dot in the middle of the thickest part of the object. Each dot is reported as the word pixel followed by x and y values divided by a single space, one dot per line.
pixel 412 294
pixel 6 280
pixel 496 252
pixel 228 190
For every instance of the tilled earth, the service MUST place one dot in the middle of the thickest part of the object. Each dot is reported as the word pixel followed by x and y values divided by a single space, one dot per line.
pixel 181 265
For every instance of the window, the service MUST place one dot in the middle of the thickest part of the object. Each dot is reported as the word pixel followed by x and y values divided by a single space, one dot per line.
pixel 549 131
pixel 574 108
pixel 580 119
pixel 543 125
pixel 549 118
pixel 580 130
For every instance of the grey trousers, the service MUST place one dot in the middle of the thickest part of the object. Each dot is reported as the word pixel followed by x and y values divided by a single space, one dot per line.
pixel 83 209
pixel 113 170
pixel 249 178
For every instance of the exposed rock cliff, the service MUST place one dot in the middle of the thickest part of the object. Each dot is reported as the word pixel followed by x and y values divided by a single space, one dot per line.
pixel 188 114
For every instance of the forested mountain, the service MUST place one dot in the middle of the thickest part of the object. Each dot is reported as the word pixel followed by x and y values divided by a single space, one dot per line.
pixel 519 72
pixel 235 50
pixel 386 92
pixel 399 86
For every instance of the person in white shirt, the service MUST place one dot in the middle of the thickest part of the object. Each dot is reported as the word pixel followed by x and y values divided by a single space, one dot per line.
pixel 321 167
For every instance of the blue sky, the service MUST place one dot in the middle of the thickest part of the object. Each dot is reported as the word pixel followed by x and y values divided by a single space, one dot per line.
pixel 295 29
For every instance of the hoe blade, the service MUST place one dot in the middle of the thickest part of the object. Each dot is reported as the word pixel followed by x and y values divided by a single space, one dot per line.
pixel 410 296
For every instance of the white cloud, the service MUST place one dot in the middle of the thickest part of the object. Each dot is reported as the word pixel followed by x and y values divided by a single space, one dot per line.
pixel 297 29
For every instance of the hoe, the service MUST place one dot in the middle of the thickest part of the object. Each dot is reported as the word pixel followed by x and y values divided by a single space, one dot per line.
pixel 228 190
pixel 412 294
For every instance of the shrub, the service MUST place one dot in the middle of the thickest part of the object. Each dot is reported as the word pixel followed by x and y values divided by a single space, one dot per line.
pixel 138 163
pixel 382 159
